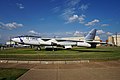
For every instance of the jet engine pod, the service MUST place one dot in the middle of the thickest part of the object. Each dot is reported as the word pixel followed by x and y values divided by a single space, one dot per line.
pixel 83 44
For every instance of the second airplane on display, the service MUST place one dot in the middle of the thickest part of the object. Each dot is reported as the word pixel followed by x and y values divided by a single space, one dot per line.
pixel 58 42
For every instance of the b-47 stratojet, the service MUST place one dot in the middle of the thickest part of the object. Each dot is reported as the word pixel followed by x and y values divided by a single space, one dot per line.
pixel 58 42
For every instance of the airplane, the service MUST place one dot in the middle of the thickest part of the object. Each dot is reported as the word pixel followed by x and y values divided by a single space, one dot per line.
pixel 58 42
pixel 2 46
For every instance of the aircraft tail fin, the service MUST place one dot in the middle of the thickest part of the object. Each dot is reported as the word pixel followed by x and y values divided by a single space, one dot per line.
pixel 91 35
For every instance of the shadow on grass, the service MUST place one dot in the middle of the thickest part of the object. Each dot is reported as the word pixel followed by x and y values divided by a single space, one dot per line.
pixel 56 49
pixel 80 50
pixel 91 50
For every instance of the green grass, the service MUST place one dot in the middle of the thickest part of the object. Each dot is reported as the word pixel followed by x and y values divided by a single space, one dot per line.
pixel 99 53
pixel 10 73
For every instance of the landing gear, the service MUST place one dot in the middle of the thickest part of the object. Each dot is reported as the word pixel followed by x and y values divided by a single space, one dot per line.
pixel 93 45
pixel 39 48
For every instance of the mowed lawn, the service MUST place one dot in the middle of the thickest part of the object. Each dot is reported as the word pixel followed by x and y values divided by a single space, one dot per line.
pixel 77 53
pixel 11 74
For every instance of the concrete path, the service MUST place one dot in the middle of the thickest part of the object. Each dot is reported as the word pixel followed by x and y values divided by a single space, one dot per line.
pixel 72 74
pixel 83 71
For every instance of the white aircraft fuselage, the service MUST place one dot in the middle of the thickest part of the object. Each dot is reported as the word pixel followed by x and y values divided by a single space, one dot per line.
pixel 38 41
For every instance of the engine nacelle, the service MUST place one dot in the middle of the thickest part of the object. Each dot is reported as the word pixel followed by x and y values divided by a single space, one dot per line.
pixel 67 47
pixel 50 47
pixel 83 44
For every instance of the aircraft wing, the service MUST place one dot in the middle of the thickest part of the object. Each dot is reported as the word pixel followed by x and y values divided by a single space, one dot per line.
pixel 96 42
pixel 60 40
pixel 91 42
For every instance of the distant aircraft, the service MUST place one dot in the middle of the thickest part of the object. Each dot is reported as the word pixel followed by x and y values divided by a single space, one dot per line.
pixel 58 42
pixel 2 46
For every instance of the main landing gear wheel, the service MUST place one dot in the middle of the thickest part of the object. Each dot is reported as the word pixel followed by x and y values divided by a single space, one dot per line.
pixel 39 48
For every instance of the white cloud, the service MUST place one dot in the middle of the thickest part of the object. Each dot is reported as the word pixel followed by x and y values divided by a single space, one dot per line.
pixel 109 33
pixel 78 33
pixel 118 33
pixel 84 7
pixel 68 12
pixel 20 6
pixel 73 2
pixel 100 32
pixel 33 32
pixel 81 19
pixel 103 32
pixel 75 18
pixel 13 25
pixel 72 18
pixel 70 7
pixel 72 10
pixel 68 33
pixel 10 26
pixel 104 25
pixel 92 23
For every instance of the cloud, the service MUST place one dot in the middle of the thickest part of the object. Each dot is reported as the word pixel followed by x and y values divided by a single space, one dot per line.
pixel 118 33
pixel 84 7
pixel 64 34
pixel 70 7
pixel 68 12
pixel 33 32
pixel 92 23
pixel 13 25
pixel 73 2
pixel 104 25
pixel 56 9
pixel 109 33
pixel 103 32
pixel 77 33
pixel 100 32
pixel 81 19
pixel 20 6
pixel 76 18
pixel 72 18
pixel 72 11
pixel 10 26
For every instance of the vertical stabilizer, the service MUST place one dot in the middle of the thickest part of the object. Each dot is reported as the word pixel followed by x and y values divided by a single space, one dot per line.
pixel 91 35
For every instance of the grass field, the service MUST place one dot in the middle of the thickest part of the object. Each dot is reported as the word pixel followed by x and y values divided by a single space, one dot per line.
pixel 11 74
pixel 99 53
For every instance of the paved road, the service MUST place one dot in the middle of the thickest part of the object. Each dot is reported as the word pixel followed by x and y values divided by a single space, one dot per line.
pixel 109 70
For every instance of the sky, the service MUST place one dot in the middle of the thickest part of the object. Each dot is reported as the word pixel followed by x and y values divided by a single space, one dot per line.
pixel 49 18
